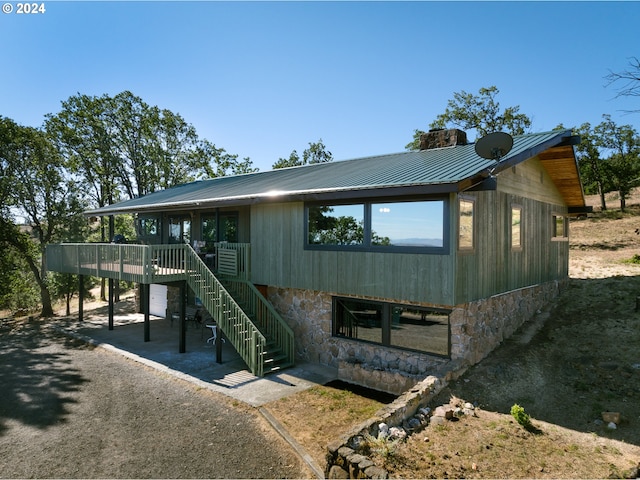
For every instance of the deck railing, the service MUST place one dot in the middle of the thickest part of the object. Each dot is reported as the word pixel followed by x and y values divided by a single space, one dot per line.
pixel 137 263
pixel 121 262
pixel 164 263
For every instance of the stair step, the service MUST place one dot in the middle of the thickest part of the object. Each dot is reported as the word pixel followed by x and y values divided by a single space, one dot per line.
pixel 277 368
pixel 275 359
pixel 207 285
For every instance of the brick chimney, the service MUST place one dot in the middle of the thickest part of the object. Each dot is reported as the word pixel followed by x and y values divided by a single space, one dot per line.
pixel 439 138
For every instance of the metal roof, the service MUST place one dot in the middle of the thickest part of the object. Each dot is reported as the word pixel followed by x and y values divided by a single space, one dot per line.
pixel 427 171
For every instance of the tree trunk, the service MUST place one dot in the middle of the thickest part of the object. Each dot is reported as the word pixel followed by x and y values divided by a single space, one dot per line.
pixel 45 296
pixel 68 306
pixel 623 200
pixel 603 203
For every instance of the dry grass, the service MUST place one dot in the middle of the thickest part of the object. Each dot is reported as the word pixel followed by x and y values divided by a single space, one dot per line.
pixel 318 415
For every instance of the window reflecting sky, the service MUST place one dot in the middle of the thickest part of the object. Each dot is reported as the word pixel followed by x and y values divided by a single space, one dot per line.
pixel 408 222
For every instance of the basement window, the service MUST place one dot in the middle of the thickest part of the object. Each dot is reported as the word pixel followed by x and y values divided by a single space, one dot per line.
pixel 394 325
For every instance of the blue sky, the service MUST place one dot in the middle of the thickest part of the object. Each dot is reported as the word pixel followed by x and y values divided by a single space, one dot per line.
pixel 261 79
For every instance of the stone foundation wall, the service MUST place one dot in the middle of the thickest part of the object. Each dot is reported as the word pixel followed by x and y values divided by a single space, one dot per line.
pixel 476 329
pixel 492 320
pixel 173 299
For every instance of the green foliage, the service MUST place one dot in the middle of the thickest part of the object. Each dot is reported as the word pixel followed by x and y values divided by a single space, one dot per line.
pixel 122 144
pixel 94 152
pixel 18 292
pixel 40 193
pixel 635 259
pixel 383 446
pixel 609 159
pixel 316 153
pixel 481 113
pixel 518 413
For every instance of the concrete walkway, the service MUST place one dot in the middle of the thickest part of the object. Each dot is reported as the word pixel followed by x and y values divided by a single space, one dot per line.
pixel 198 363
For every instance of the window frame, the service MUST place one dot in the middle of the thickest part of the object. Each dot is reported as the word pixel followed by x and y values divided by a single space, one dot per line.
pixel 387 309
pixel 366 246
pixel 141 231
pixel 519 246
pixel 472 247
pixel 186 234
pixel 564 237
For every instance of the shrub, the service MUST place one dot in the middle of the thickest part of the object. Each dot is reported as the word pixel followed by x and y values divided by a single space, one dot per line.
pixel 383 446
pixel 635 259
pixel 521 416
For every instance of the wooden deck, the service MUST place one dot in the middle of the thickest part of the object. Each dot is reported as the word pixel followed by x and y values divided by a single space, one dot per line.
pixel 140 263
pixel 249 322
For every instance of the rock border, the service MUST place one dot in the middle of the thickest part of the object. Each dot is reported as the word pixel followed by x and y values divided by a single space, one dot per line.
pixel 408 413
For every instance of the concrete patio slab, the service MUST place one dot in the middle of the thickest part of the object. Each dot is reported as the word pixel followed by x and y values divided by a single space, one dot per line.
pixel 198 364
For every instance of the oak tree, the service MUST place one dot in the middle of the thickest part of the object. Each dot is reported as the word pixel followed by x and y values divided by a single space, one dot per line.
pixel 481 112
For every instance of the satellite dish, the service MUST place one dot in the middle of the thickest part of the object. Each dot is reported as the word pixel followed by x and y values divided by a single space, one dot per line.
pixel 494 146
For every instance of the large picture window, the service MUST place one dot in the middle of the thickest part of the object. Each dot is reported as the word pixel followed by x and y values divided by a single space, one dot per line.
pixel 408 224
pixel 401 326
pixel 209 229
pixel 389 226
pixel 148 227
pixel 220 227
pixel 336 224
pixel 180 230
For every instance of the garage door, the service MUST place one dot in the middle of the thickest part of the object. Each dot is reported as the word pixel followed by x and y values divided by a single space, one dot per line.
pixel 158 300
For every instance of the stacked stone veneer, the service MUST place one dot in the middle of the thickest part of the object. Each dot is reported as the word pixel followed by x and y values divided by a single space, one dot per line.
pixel 476 329
pixel 173 300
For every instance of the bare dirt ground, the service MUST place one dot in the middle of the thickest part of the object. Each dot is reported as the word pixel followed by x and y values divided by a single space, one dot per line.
pixel 68 410
pixel 585 359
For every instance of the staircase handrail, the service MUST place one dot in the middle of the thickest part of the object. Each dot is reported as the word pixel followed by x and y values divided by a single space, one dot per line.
pixel 266 317
pixel 231 319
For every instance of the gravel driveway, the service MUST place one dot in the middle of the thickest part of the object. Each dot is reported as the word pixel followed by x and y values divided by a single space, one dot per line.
pixel 68 410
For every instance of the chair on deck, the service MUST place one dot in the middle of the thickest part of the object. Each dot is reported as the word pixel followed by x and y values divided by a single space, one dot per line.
pixel 214 334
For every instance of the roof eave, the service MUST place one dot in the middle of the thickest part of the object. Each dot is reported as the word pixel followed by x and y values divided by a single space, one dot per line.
pixel 563 138
pixel 380 191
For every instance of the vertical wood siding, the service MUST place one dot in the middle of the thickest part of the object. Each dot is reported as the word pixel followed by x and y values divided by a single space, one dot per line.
pixel 279 259
pixel 494 267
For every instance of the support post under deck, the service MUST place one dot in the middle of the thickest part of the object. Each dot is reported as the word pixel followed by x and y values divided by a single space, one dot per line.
pixel 80 298
pixel 183 317
pixel 111 304
pixel 146 293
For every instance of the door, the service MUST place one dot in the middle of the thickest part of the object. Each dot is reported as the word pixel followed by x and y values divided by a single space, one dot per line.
pixel 158 300
pixel 228 231
pixel 180 230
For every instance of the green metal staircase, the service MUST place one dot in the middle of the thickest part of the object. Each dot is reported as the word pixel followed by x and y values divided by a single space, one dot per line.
pixel 258 333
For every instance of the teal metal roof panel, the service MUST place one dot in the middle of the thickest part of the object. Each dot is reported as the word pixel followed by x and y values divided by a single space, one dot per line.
pixel 437 167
